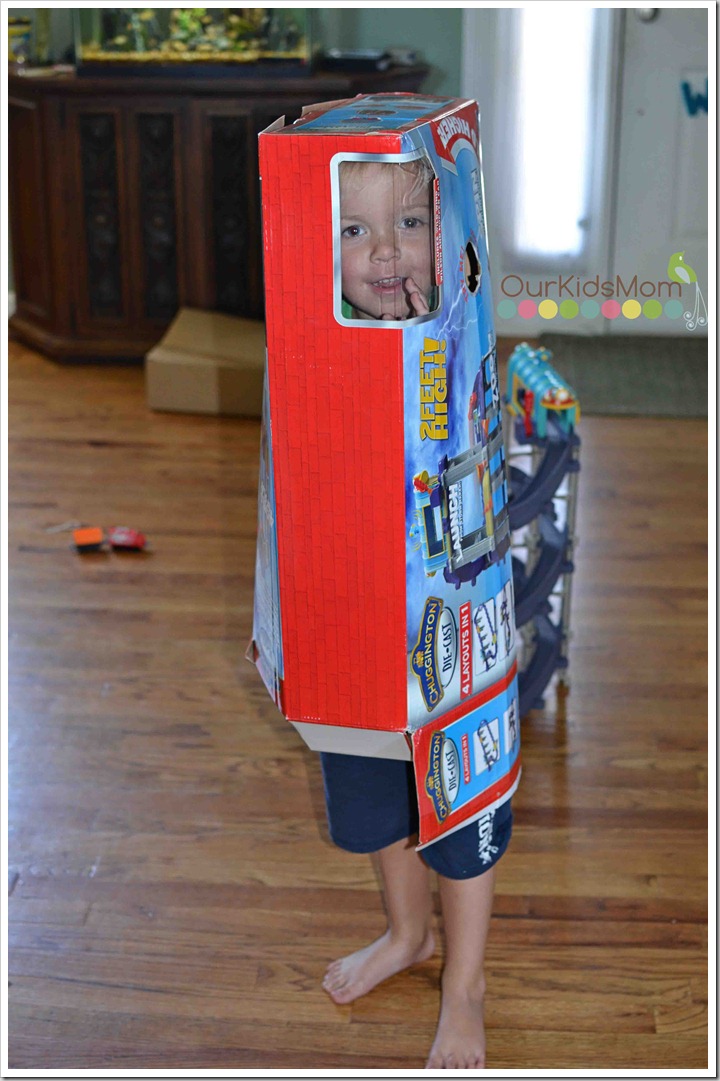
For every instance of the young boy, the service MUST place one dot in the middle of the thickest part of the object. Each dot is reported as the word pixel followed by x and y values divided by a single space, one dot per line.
pixel 387 273
pixel 386 238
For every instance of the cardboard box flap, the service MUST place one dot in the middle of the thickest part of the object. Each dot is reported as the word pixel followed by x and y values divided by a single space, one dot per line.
pixel 203 334
pixel 251 362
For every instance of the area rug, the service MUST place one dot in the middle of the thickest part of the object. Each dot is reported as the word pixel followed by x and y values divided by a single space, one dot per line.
pixel 641 376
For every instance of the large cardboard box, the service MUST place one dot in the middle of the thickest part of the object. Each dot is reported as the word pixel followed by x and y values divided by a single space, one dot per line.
pixel 384 615
pixel 207 362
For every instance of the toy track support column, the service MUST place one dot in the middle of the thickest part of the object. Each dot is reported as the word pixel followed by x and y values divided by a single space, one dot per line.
pixel 562 689
pixel 545 412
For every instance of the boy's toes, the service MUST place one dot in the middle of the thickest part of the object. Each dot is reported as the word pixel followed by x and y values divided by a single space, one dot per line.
pixel 336 983
pixel 440 1060
pixel 339 990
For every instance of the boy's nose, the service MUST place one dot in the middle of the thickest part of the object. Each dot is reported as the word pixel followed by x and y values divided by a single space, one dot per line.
pixel 385 248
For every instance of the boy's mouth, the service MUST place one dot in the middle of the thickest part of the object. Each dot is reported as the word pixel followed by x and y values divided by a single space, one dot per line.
pixel 385 285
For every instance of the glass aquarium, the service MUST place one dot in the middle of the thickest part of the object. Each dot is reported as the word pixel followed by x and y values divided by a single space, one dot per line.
pixel 183 40
pixel 20 35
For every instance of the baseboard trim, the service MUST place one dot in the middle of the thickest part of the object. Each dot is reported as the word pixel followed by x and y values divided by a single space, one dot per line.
pixel 79 349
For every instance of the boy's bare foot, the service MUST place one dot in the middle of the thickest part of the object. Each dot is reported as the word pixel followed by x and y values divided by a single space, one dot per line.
pixel 460 1037
pixel 356 974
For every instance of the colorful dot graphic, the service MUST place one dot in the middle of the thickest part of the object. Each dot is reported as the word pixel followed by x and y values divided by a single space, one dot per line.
pixel 506 309
pixel 569 309
pixel 611 309
pixel 589 309
pixel 673 309
pixel 631 309
pixel 547 309
pixel 652 309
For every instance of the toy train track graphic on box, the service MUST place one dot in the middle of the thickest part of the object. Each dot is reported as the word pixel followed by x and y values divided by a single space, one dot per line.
pixel 461 517
pixel 450 769
pixel 484 620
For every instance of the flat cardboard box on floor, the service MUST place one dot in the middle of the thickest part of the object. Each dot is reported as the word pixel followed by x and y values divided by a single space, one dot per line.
pixel 384 614
pixel 208 362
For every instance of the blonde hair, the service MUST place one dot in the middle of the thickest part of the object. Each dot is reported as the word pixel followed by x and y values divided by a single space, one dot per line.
pixel 420 168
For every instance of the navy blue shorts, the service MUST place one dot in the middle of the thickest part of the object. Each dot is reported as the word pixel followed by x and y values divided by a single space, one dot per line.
pixel 372 802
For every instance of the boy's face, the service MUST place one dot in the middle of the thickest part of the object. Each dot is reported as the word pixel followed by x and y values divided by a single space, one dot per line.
pixel 386 225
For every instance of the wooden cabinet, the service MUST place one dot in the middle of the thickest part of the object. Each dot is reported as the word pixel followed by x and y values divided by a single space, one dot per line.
pixel 132 197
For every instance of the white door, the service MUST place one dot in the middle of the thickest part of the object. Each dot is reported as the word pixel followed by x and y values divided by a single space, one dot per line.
pixel 662 159
pixel 648 199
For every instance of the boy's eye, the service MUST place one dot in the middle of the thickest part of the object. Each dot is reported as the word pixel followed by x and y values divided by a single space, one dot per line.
pixel 351 231
pixel 411 222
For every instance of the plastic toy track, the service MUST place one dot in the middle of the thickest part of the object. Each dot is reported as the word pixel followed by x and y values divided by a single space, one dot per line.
pixel 546 660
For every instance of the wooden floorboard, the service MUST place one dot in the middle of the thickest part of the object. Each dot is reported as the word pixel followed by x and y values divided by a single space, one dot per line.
pixel 173 894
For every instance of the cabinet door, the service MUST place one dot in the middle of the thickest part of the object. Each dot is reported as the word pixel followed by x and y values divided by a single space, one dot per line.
pixel 27 181
pixel 102 277
pixel 126 159
pixel 224 227
pixel 156 219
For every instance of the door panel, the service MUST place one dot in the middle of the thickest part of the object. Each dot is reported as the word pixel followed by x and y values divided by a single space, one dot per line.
pixel 155 189
pixel 663 157
pixel 101 285
pixel 225 233
pixel 28 210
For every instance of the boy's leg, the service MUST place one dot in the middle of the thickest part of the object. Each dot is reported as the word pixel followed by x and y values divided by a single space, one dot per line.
pixel 408 939
pixel 460 1038
pixel 372 808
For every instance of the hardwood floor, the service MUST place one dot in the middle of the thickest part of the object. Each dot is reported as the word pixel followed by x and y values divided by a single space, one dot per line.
pixel 174 896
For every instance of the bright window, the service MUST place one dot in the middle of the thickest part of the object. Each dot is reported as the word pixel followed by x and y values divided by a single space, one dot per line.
pixel 554 91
